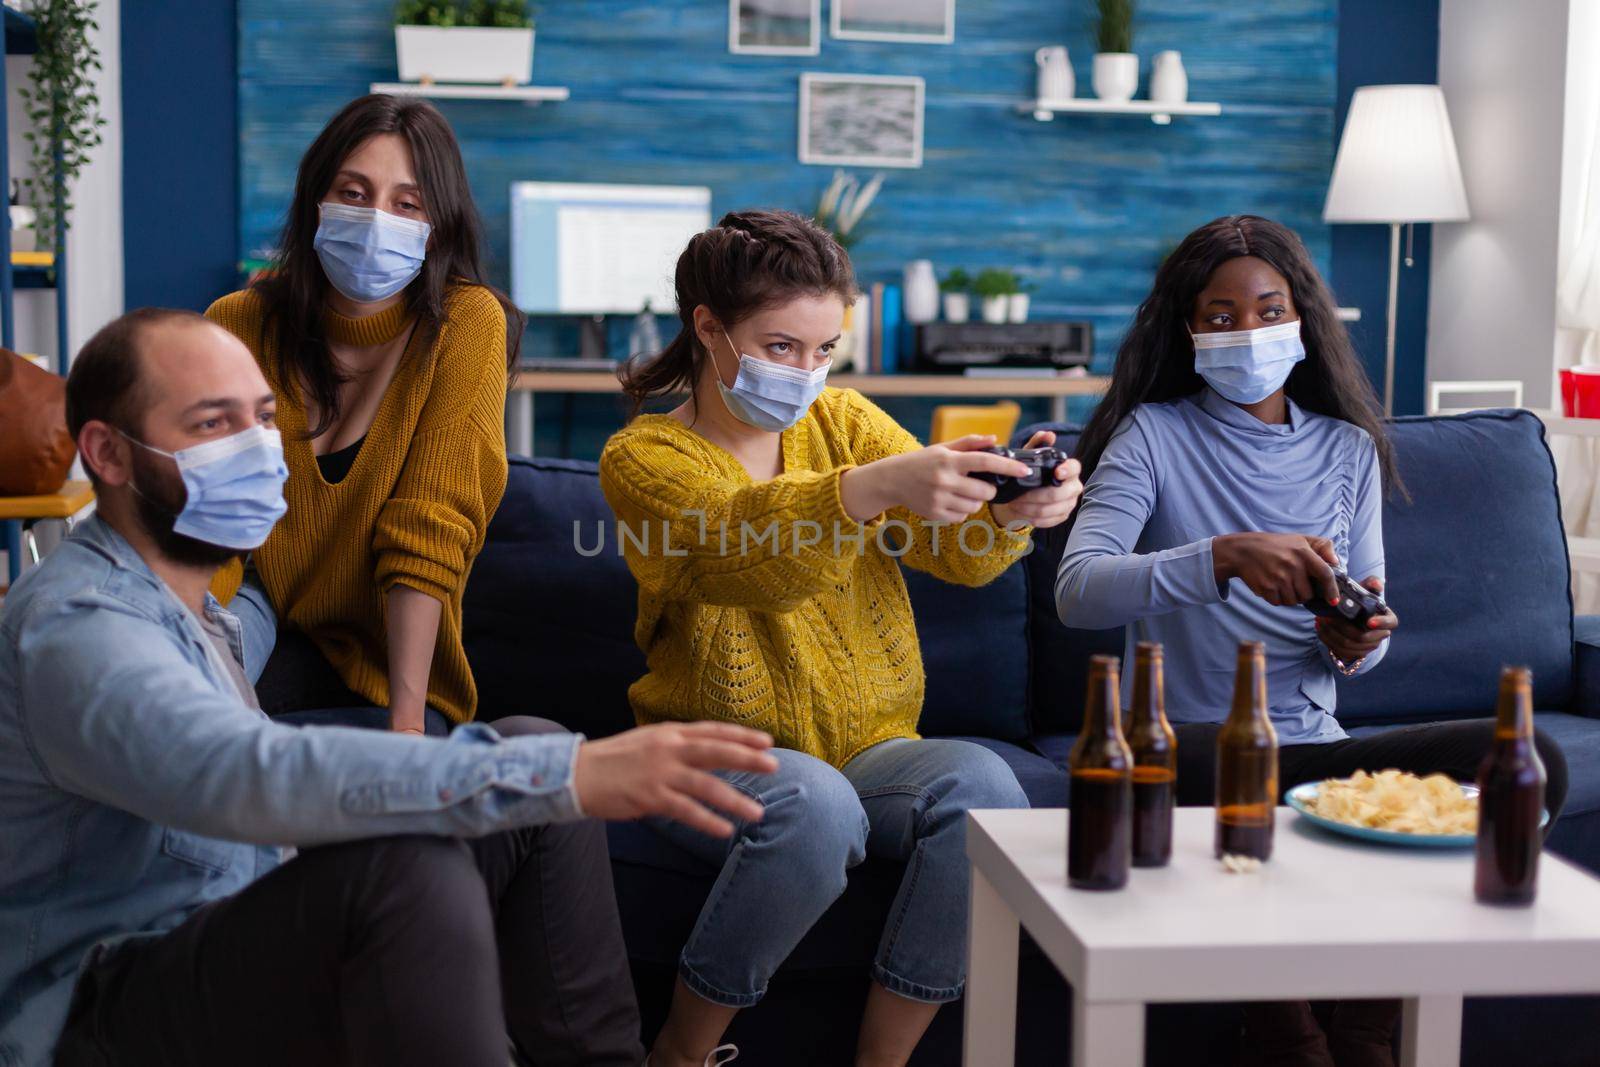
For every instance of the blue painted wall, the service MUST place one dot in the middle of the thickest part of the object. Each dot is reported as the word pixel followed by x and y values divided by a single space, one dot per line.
pixel 180 176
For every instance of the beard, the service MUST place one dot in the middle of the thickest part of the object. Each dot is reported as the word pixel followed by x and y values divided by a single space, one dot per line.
pixel 158 497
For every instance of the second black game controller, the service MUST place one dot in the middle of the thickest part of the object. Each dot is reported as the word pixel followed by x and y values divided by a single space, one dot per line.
pixel 1042 463
pixel 1357 604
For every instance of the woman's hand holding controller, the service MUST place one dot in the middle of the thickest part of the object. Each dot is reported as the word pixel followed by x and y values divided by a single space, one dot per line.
pixel 1351 643
pixel 933 482
pixel 1282 569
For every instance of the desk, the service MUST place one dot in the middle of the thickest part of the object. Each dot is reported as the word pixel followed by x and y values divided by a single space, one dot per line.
pixel 17 512
pixel 519 407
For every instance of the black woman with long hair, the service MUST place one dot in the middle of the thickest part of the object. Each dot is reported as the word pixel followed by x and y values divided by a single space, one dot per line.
pixel 1238 458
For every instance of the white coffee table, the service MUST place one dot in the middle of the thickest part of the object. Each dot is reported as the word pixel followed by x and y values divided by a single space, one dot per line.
pixel 1325 919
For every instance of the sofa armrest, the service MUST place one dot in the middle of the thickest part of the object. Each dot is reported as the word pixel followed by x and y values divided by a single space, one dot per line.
pixel 1586 655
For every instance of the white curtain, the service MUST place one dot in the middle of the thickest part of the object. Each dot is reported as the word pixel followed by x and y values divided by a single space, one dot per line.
pixel 1578 313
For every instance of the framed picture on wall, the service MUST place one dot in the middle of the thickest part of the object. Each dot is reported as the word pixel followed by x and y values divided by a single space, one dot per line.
pixel 775 27
pixel 910 21
pixel 861 120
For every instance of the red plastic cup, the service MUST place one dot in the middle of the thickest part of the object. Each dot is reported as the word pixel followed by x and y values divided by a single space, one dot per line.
pixel 1580 391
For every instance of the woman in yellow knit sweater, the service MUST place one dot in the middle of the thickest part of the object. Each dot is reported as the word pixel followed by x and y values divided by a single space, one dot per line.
pixel 764 520
pixel 388 355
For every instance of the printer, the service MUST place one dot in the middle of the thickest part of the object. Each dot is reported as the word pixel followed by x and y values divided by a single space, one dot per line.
pixel 955 347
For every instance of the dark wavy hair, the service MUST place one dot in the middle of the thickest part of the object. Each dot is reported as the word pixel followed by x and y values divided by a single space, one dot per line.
pixel 747 262
pixel 294 291
pixel 1156 359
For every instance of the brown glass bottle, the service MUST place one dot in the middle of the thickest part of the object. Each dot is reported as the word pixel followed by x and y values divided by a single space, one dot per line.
pixel 1155 759
pixel 1510 799
pixel 1247 763
pixel 1099 826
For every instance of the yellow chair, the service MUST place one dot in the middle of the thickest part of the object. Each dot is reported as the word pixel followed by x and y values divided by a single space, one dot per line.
pixel 19 513
pixel 951 421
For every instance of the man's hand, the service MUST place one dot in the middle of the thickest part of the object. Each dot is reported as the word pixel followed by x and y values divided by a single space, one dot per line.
pixel 1049 505
pixel 1282 569
pixel 1351 643
pixel 664 770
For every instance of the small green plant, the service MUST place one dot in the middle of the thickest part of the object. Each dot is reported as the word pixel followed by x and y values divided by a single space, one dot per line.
pixel 957 281
pixel 494 14
pixel 62 107
pixel 992 281
pixel 1114 33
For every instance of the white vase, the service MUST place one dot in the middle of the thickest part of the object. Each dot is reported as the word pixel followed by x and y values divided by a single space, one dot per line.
pixel 921 292
pixel 464 54
pixel 1116 76
pixel 24 237
pixel 1169 82
pixel 996 308
pixel 1017 307
pixel 1055 80
pixel 957 307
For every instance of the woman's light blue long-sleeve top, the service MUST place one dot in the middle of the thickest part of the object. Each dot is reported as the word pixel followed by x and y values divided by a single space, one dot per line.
pixel 1176 475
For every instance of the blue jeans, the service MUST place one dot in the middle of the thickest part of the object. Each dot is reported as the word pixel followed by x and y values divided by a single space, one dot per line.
pixel 900 800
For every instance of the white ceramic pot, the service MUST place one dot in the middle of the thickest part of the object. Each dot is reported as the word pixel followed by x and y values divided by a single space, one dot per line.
pixel 1169 82
pixel 1055 73
pixel 1116 76
pixel 1017 307
pixel 996 308
pixel 24 235
pixel 957 307
pixel 464 54
pixel 921 292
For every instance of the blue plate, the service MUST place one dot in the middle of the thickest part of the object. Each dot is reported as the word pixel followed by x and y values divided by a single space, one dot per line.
pixel 1301 797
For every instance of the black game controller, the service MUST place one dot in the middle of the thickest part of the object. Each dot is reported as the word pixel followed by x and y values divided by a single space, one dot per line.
pixel 1357 604
pixel 1042 463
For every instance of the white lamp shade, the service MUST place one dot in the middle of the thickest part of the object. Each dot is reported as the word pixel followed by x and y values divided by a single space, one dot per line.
pixel 1397 160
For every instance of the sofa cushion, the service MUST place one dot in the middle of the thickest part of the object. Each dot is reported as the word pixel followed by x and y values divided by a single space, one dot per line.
pixel 975 653
pixel 1477 566
pixel 549 629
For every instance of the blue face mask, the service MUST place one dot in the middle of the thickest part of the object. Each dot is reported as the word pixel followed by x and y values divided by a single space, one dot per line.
pixel 770 396
pixel 1247 366
pixel 369 255
pixel 234 485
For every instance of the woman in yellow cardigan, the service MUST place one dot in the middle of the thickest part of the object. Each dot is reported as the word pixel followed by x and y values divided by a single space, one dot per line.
pixel 388 354
pixel 763 519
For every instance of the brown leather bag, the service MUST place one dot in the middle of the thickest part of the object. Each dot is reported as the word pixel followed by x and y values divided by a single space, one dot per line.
pixel 35 448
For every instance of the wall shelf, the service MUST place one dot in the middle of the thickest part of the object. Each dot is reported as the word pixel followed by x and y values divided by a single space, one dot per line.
pixel 527 94
pixel 1160 114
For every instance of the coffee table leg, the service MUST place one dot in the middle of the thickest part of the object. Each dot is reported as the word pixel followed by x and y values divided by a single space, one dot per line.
pixel 1430 1032
pixel 1107 1034
pixel 990 1036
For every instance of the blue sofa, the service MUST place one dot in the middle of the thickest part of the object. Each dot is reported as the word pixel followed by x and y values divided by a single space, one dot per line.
pixel 1478 572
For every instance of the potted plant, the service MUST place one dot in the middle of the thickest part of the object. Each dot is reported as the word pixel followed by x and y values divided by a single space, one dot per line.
pixel 63 110
pixel 464 41
pixel 1017 302
pixel 1116 68
pixel 956 287
pixel 844 204
pixel 994 288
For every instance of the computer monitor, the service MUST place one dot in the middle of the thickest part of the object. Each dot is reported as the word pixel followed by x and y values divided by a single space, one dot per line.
pixel 600 249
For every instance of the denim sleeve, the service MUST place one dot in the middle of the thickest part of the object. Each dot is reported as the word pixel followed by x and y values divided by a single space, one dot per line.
pixel 257 620
pixel 1102 581
pixel 112 711
pixel 1365 556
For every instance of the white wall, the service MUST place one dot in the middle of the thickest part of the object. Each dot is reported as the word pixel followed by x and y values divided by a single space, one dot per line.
pixel 1491 308
pixel 94 243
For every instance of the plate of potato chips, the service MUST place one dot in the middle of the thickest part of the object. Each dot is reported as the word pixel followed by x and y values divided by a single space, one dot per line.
pixel 1394 807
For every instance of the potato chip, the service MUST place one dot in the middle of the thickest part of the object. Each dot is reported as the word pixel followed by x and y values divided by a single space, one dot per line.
pixel 1398 801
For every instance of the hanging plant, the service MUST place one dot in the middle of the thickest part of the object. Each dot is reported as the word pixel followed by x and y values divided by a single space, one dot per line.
pixel 62 106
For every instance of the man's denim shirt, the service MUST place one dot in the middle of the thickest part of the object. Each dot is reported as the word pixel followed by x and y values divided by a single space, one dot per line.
pixel 135 785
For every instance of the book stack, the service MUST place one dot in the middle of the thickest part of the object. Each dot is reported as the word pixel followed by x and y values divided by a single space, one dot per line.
pixel 877 340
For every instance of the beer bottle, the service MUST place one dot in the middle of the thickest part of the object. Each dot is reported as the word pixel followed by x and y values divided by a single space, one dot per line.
pixel 1099 830
pixel 1247 763
pixel 1510 799
pixel 1155 759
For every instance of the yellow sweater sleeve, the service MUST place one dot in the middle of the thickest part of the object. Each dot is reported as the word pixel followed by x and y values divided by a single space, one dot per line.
pixel 434 523
pixel 973 553
pixel 689 533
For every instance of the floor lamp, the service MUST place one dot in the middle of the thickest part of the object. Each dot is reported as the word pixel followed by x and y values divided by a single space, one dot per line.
pixel 1397 164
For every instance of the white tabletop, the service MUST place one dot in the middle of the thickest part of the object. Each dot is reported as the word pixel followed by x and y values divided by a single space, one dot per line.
pixel 1324 918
